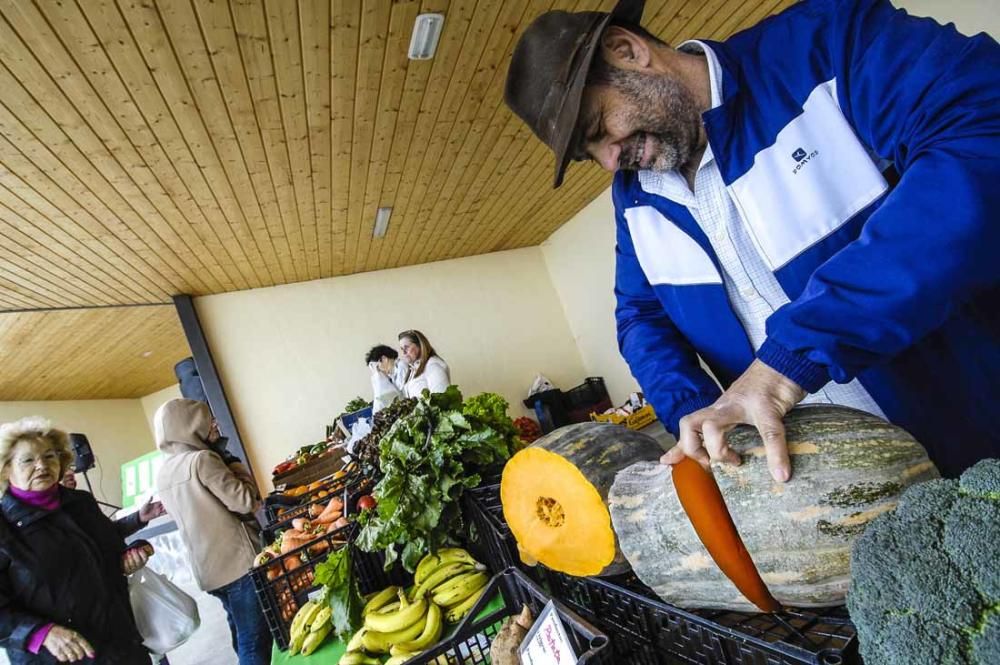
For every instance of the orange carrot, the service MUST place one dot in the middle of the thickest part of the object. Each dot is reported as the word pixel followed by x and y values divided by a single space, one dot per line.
pixel 333 510
pixel 328 518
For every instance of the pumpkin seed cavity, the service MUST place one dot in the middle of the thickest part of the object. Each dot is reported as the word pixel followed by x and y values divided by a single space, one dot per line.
pixel 550 511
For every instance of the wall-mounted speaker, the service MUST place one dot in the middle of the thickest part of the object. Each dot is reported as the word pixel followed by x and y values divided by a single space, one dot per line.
pixel 84 453
pixel 189 380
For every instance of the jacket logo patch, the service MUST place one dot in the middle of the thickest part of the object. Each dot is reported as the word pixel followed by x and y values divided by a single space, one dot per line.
pixel 788 207
pixel 803 158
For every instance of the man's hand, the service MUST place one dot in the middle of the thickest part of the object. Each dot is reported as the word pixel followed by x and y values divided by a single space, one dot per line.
pixel 133 559
pixel 151 510
pixel 67 646
pixel 760 397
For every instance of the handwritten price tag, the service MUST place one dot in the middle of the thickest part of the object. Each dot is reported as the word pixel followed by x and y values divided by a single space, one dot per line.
pixel 546 642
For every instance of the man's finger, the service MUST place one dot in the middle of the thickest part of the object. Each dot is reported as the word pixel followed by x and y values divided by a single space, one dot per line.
pixel 673 456
pixel 772 432
pixel 690 438
pixel 714 437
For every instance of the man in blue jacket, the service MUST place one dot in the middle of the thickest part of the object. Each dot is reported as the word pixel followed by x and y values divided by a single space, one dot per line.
pixel 811 208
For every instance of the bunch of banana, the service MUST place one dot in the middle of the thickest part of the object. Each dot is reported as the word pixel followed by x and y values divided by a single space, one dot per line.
pixel 404 623
pixel 309 628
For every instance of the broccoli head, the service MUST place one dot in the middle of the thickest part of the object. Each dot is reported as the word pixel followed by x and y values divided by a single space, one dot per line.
pixel 925 579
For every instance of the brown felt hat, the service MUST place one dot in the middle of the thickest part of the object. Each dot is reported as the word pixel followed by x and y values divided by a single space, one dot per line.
pixel 548 72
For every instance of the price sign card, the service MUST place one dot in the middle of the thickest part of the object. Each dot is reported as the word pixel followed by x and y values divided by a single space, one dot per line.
pixel 546 642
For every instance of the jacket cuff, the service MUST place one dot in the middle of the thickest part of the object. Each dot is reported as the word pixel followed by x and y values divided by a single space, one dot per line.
pixel 809 375
pixel 38 637
pixel 686 407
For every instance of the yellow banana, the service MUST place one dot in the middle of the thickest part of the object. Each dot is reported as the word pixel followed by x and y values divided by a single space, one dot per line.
pixel 376 642
pixel 458 589
pixel 389 609
pixel 458 612
pixel 298 639
pixel 399 660
pixel 430 635
pixel 394 650
pixel 380 599
pixel 444 556
pixel 354 644
pixel 443 574
pixel 357 658
pixel 321 619
pixel 313 641
pixel 402 618
pixel 300 616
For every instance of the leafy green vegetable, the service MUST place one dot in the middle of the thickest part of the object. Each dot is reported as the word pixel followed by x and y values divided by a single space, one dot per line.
pixel 356 404
pixel 428 458
pixel 341 593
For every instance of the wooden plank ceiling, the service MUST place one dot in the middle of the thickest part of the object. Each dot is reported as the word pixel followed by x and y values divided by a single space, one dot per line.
pixel 129 359
pixel 156 147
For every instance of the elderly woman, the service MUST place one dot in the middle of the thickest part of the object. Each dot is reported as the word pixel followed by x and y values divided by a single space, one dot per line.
pixel 63 592
pixel 427 369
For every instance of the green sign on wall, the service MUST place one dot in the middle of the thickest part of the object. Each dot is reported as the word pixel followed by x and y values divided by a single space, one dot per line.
pixel 139 476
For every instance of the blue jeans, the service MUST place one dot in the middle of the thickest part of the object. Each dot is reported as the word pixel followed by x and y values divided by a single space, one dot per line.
pixel 251 636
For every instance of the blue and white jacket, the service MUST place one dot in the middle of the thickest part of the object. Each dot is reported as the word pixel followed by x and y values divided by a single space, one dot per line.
pixel 898 286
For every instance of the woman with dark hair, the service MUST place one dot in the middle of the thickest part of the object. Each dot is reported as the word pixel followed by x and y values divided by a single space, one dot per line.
pixel 427 369
pixel 389 375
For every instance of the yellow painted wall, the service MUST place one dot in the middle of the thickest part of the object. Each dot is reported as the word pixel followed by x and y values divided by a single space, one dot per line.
pixel 292 356
pixel 116 428
pixel 969 16
pixel 581 262
pixel 150 403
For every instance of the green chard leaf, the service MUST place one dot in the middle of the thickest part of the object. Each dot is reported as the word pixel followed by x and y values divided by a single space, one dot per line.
pixel 336 574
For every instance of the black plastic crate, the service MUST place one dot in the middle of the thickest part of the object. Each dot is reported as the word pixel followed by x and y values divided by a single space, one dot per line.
pixel 349 493
pixel 299 505
pixel 557 408
pixel 646 631
pixel 470 644
pixel 591 391
pixel 490 539
pixel 281 592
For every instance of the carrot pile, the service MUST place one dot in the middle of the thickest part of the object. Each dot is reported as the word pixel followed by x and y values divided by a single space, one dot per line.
pixel 305 533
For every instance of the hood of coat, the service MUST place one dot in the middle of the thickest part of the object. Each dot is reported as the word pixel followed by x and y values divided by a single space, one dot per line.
pixel 182 425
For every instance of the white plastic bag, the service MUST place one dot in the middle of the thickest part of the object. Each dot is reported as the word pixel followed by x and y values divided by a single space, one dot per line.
pixel 384 389
pixel 540 384
pixel 359 430
pixel 165 616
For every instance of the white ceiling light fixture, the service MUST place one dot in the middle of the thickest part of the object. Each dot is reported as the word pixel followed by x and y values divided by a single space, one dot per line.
pixel 426 32
pixel 381 222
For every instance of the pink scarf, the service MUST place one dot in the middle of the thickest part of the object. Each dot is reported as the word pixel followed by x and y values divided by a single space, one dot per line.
pixel 44 499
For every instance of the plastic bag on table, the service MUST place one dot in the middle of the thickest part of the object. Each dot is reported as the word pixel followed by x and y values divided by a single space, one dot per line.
pixel 164 614
pixel 359 430
pixel 383 388
pixel 540 384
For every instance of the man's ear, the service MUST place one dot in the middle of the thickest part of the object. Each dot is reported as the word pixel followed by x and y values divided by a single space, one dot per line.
pixel 624 49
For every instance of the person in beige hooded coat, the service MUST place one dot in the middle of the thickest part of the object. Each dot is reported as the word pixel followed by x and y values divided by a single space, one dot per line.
pixel 206 499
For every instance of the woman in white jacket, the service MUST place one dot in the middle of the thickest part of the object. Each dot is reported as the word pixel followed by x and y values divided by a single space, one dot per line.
pixel 427 369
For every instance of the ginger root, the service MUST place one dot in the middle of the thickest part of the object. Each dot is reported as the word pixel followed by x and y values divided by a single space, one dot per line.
pixel 508 640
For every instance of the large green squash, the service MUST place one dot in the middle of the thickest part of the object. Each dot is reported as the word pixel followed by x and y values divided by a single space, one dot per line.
pixel 847 468
pixel 554 496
